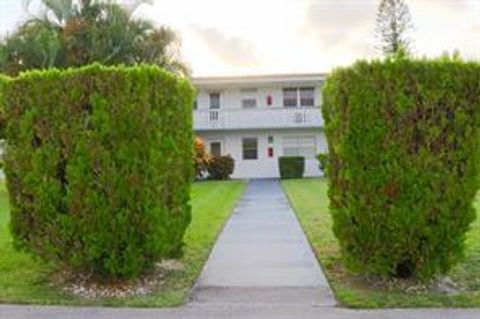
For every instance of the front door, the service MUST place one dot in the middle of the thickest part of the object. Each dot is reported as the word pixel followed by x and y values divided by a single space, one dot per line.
pixel 215 148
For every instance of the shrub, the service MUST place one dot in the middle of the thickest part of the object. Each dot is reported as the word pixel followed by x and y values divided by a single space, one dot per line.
pixel 201 157
pixel 291 166
pixel 323 162
pixel 403 144
pixel 99 166
pixel 220 167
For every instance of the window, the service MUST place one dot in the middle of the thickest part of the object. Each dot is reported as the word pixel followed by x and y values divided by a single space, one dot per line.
pixel 307 97
pixel 249 103
pixel 299 146
pixel 249 98
pixel 290 97
pixel 270 139
pixel 195 104
pixel 215 101
pixel 293 97
pixel 250 148
pixel 216 149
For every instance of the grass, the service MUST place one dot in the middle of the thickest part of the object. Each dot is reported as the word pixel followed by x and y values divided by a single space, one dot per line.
pixel 309 200
pixel 25 280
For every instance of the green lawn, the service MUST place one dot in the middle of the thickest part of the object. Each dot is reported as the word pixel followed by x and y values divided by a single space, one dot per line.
pixel 25 280
pixel 310 201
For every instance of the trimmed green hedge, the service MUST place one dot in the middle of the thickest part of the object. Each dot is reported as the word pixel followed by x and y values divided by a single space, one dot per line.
pixel 404 147
pixel 3 81
pixel 291 166
pixel 99 166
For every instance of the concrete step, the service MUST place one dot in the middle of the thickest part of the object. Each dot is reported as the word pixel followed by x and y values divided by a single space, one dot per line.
pixel 306 296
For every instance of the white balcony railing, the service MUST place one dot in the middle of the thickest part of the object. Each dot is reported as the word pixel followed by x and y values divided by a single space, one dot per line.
pixel 277 117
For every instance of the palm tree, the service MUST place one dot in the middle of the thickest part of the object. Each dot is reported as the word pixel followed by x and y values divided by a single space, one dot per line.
pixel 56 11
pixel 74 33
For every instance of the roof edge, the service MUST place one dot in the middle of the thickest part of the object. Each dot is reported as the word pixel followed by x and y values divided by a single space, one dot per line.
pixel 285 77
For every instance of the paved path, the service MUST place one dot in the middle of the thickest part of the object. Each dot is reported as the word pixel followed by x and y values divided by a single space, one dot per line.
pixel 261 268
pixel 262 256
pixel 196 311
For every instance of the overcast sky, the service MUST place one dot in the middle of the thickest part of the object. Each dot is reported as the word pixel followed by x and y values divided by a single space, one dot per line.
pixel 225 37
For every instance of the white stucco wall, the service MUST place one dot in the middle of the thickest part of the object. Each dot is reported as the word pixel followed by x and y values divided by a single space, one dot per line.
pixel 231 97
pixel 264 166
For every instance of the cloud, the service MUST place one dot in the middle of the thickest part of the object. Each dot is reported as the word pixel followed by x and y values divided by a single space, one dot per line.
pixel 339 25
pixel 232 50
pixel 342 24
pixel 443 3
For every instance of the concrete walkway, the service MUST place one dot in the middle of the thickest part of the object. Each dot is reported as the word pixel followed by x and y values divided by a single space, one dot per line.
pixel 262 256
pixel 230 312
pixel 261 268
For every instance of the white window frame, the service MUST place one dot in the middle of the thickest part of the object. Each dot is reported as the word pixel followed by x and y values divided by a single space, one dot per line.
pixel 299 145
pixel 298 96
pixel 301 99
pixel 291 89
pixel 249 98
pixel 219 100
pixel 243 148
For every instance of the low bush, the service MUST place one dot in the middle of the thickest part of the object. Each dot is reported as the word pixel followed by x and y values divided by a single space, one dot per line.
pixel 291 166
pixel 403 140
pixel 220 167
pixel 99 166
pixel 322 159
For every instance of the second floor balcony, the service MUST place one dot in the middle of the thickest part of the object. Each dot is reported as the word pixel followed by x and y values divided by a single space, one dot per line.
pixel 272 118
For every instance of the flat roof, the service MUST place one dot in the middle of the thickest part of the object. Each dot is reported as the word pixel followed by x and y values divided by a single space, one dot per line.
pixel 263 78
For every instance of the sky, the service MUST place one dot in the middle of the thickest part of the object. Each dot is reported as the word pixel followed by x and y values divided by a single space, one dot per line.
pixel 245 37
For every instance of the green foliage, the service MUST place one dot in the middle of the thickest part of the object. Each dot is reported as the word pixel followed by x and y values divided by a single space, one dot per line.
pixel 35 45
pixel 77 33
pixel 220 167
pixel 201 158
pixel 310 201
pixel 99 166
pixel 322 159
pixel 291 166
pixel 403 173
pixel 3 81
pixel 28 280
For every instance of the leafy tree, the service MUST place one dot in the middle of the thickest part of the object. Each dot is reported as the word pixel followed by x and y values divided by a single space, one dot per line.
pixel 34 46
pixel 75 33
pixel 393 24
pixel 201 157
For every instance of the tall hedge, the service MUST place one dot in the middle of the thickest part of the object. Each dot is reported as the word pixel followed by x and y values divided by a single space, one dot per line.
pixel 404 145
pixel 3 81
pixel 99 166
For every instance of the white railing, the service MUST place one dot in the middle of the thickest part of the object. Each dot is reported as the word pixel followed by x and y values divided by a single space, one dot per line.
pixel 277 117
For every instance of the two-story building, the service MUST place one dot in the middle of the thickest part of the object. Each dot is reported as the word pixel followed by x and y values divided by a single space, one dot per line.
pixel 256 119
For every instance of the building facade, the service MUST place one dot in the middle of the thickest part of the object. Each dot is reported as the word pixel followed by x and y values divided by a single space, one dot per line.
pixel 257 119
